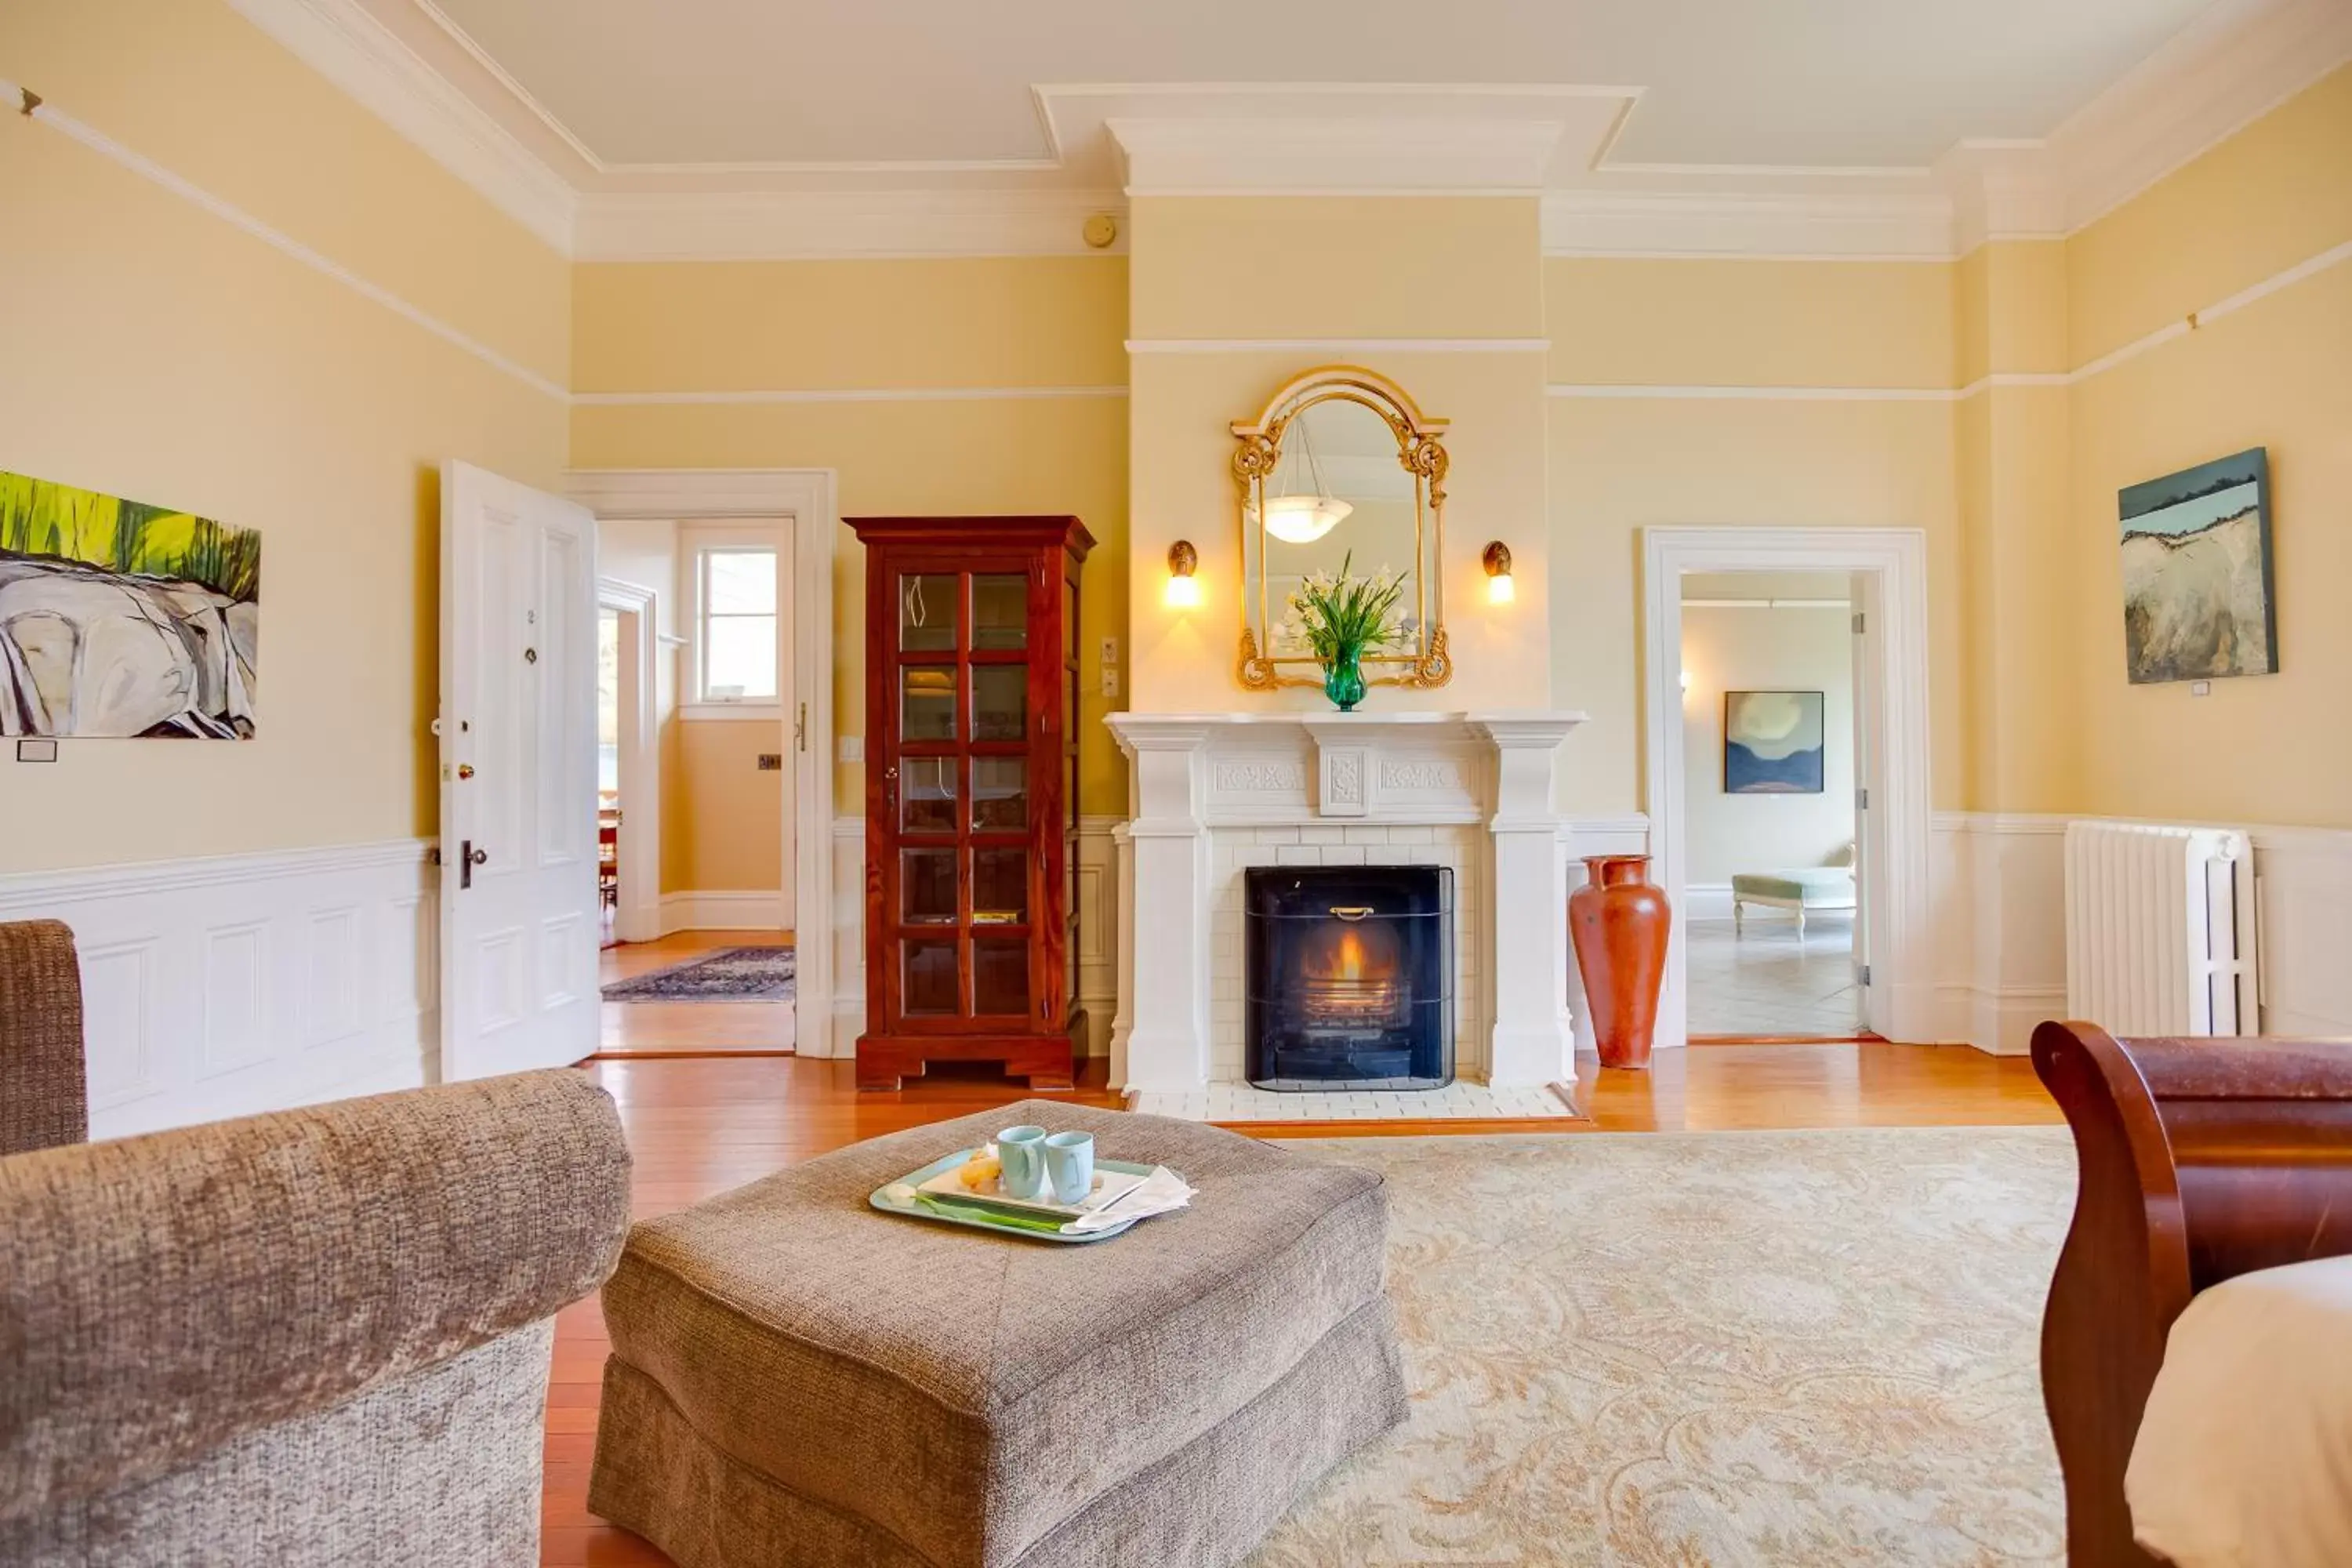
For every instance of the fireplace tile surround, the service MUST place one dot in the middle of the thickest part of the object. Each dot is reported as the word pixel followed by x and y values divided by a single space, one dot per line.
pixel 1215 794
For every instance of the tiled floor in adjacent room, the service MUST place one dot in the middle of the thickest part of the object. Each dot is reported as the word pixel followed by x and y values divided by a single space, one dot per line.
pixel 1772 981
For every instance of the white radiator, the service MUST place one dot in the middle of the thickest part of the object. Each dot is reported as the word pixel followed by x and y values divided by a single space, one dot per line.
pixel 2160 929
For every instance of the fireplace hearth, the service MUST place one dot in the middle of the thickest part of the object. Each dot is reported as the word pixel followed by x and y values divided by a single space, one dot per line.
pixel 1350 977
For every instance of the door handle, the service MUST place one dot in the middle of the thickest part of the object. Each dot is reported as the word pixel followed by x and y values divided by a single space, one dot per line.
pixel 467 859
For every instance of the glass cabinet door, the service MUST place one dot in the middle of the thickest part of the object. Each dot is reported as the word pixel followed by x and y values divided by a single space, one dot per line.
pixel 961 888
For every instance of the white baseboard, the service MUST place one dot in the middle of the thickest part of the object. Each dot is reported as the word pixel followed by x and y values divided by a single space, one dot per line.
pixel 1707 903
pixel 238 983
pixel 722 911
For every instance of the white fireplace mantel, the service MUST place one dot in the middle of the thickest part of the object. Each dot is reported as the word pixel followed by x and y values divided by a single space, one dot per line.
pixel 1211 790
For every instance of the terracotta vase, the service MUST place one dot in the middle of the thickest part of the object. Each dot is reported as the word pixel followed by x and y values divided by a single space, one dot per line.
pixel 1618 922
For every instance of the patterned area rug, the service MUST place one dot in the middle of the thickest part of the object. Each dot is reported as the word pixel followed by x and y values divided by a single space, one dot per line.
pixel 730 974
pixel 1720 1349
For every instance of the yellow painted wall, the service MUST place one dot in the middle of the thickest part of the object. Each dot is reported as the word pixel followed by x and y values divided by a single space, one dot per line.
pixel 729 815
pixel 1620 465
pixel 157 351
pixel 2277 374
pixel 1052 324
pixel 1234 271
pixel 1222 268
pixel 1647 322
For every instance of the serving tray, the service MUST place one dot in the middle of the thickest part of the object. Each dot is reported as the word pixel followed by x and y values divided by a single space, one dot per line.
pixel 999 1215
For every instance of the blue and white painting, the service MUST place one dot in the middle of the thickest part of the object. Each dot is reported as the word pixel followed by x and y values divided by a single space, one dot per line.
pixel 1772 742
pixel 2197 572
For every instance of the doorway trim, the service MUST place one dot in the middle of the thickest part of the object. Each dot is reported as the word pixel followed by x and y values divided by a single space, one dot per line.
pixel 638 917
pixel 809 498
pixel 1890 566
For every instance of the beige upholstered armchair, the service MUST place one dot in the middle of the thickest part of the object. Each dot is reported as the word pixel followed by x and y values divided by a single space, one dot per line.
pixel 41 1094
pixel 317 1337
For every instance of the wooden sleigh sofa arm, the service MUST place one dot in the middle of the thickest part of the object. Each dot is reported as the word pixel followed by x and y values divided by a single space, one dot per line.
pixel 2201 1160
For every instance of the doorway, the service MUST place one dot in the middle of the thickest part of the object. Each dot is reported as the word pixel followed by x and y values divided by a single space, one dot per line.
pixel 1774 888
pixel 735 568
pixel 1884 572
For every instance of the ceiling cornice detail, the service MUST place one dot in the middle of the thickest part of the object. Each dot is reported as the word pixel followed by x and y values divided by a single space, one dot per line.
pixel 342 42
pixel 2240 58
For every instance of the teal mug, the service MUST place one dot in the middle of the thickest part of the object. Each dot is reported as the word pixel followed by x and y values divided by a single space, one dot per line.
pixel 1070 1165
pixel 1022 1152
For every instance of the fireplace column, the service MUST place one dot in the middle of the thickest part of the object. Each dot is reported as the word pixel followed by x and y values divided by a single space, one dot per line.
pixel 1532 1043
pixel 1160 1038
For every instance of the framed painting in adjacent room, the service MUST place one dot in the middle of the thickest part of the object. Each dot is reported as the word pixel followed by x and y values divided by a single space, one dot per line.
pixel 1773 743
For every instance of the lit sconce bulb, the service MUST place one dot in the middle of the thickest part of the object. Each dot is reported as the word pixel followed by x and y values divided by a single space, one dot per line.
pixel 1184 588
pixel 1497 561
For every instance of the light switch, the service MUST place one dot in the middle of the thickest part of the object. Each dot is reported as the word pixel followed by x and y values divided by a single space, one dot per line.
pixel 851 748
pixel 1109 650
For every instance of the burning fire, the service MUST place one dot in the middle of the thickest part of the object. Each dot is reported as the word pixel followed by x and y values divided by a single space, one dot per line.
pixel 1345 960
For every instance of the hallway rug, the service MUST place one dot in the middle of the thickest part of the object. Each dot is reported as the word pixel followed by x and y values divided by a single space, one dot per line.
pixel 1721 1349
pixel 730 974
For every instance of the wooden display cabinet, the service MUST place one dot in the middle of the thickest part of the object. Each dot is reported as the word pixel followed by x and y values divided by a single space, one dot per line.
pixel 971 809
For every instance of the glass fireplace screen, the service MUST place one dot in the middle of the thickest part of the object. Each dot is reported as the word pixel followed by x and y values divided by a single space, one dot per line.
pixel 1350 977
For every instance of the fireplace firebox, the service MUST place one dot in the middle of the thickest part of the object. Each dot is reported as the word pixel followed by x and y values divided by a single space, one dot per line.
pixel 1350 977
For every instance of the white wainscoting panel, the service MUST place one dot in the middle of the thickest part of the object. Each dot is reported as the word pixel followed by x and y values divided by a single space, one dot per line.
pixel 240 983
pixel 1999 881
pixel 2303 887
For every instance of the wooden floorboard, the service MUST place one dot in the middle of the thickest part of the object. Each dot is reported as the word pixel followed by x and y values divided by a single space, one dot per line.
pixel 701 1124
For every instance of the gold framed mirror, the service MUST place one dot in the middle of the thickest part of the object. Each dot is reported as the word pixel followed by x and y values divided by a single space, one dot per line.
pixel 1341 467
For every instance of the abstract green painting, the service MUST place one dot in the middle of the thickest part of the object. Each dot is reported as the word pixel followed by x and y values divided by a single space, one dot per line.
pixel 119 618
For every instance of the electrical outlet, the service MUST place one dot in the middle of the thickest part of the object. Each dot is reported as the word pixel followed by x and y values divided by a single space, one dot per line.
pixel 2200 688
pixel 1109 650
pixel 1110 680
pixel 772 762
pixel 850 748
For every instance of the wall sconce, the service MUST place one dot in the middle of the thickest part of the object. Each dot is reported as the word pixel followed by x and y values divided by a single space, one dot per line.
pixel 1184 588
pixel 1497 561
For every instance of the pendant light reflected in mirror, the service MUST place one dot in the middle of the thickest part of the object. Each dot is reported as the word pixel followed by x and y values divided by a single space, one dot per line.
pixel 1302 518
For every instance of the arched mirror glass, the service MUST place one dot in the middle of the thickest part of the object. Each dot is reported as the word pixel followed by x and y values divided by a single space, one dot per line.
pixel 1341 473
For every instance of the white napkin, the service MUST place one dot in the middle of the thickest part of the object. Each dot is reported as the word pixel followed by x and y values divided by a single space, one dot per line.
pixel 1162 1191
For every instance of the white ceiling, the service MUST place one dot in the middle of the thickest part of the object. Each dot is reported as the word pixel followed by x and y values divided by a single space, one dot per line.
pixel 647 130
pixel 948 84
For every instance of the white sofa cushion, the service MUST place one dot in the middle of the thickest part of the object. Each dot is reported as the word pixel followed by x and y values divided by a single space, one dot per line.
pixel 2244 1457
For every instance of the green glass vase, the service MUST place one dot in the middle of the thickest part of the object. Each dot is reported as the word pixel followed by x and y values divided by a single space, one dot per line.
pixel 1343 678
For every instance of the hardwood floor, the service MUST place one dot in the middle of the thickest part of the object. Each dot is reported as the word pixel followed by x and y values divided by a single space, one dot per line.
pixel 667 1028
pixel 700 1125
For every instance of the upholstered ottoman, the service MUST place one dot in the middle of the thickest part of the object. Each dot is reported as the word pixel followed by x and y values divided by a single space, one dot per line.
pixel 798 1379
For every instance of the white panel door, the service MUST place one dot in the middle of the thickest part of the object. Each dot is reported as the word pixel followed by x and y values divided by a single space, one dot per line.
pixel 518 726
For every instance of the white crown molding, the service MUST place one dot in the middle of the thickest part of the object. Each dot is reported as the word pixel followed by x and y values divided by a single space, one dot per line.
pixel 2238 60
pixel 760 225
pixel 343 43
